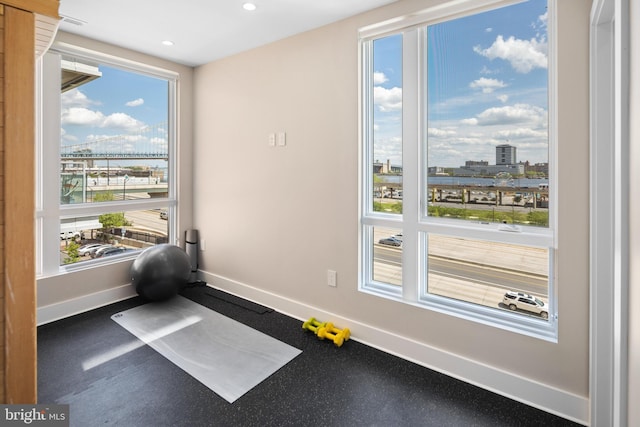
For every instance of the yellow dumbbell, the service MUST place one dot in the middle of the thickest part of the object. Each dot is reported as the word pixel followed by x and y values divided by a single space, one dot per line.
pixel 313 325
pixel 338 336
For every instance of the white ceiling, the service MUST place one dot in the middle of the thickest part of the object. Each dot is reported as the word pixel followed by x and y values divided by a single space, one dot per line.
pixel 202 30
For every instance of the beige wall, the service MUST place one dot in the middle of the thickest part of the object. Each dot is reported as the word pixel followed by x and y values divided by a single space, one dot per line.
pixel 277 218
pixel 111 279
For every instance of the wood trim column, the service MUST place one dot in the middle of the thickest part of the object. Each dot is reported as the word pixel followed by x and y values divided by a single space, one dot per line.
pixel 17 204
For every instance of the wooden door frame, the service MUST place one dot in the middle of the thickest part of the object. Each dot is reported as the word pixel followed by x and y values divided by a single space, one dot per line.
pixel 17 178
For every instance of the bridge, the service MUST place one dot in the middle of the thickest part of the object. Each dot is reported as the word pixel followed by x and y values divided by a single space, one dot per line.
pixel 149 142
pixel 539 197
pixel 78 189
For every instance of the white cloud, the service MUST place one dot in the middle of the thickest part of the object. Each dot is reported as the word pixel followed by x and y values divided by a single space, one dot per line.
pixel 133 138
pixel 135 102
pixel 440 132
pixel 452 142
pixel 521 133
pixel 488 30
pixel 81 116
pixel 388 149
pixel 67 137
pixel 471 121
pixel 379 78
pixel 523 55
pixel 543 19
pixel 75 98
pixel 158 141
pixel 487 70
pixel 121 121
pixel 503 98
pixel 93 138
pixel 513 114
pixel 540 25
pixel 86 117
pixel 487 85
pixel 387 99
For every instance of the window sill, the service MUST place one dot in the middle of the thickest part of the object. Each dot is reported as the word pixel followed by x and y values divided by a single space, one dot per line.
pixel 523 324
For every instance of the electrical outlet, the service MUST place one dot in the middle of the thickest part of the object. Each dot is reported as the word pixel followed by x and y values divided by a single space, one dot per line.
pixel 272 140
pixel 332 278
pixel 203 245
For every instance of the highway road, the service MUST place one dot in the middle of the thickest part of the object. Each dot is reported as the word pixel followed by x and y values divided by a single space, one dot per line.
pixel 485 275
pixel 390 258
pixel 148 220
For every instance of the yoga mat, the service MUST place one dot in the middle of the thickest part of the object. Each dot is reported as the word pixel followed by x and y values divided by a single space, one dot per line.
pixel 225 355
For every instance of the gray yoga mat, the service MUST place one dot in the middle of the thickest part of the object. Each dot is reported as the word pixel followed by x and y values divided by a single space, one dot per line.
pixel 225 355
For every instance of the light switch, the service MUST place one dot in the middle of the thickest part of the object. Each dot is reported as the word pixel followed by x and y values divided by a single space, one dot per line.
pixel 332 278
pixel 282 139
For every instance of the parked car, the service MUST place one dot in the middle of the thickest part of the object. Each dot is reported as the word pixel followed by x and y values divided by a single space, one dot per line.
pixel 521 301
pixel 111 251
pixel 390 241
pixel 71 235
pixel 84 249
pixel 94 251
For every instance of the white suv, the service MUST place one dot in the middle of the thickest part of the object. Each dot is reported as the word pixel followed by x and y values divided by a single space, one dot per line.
pixel 518 300
pixel 71 235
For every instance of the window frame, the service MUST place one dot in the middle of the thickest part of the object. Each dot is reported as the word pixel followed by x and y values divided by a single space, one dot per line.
pixel 414 223
pixel 49 210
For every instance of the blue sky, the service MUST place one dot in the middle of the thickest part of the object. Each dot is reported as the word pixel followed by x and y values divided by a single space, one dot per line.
pixel 118 103
pixel 487 85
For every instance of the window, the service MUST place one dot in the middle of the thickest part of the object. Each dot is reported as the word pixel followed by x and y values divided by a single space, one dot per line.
pixel 106 159
pixel 458 182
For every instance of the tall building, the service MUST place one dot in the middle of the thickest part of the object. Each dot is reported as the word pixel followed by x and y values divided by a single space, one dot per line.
pixel 505 154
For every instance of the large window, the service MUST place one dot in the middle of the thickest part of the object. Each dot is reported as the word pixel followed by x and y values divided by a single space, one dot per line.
pixel 458 181
pixel 106 160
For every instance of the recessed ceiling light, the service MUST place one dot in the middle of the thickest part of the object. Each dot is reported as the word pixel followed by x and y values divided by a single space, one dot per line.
pixel 249 6
pixel 167 42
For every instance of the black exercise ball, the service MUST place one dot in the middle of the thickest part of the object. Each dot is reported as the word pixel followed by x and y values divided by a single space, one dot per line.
pixel 160 272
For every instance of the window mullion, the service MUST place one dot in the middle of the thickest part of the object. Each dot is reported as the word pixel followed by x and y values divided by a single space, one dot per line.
pixel 410 163
pixel 49 192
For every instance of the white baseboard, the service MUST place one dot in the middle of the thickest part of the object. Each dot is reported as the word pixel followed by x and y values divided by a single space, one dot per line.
pixel 532 393
pixel 53 312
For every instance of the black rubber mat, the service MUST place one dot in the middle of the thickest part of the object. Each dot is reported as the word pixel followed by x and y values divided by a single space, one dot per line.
pixel 240 302
pixel 353 385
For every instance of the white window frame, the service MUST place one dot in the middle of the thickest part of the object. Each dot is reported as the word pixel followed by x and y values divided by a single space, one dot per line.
pixel 414 223
pixel 611 181
pixel 49 210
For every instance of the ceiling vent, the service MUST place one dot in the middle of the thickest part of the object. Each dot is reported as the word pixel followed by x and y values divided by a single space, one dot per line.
pixel 74 21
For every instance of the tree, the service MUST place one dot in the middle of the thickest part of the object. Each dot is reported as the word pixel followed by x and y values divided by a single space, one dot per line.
pixel 72 253
pixel 110 220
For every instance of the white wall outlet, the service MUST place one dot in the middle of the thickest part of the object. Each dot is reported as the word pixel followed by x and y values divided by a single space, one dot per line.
pixel 332 278
pixel 272 140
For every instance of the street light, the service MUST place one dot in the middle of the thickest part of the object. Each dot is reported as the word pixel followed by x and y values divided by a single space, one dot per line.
pixel 124 187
